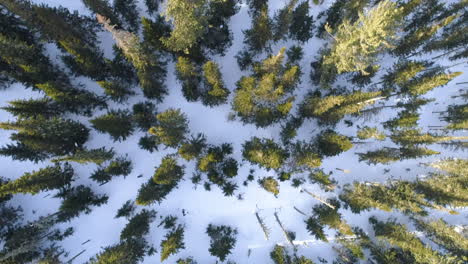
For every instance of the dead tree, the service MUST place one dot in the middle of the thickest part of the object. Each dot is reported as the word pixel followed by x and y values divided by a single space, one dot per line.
pixel 285 232
pixel 319 199
pixel 265 229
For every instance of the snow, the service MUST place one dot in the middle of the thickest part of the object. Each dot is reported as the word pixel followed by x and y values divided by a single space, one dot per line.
pixel 205 207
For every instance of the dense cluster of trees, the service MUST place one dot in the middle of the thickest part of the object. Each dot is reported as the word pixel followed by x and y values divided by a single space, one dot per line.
pixel 349 84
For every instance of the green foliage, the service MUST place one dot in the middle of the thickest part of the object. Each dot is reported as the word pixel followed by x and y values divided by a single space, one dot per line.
pixel 119 166
pixel 117 123
pixel 222 240
pixel 264 152
pixel 169 172
pixel 270 185
pixel 324 215
pixel 305 156
pixel 258 37
pixel 265 97
pixel 84 156
pixel 77 200
pixel 33 108
pixel 155 31
pixel 457 117
pixel 405 119
pixel 46 179
pixel 22 152
pixel 138 226
pixel 302 23
pixel 428 81
pixel 323 179
pixel 190 75
pixel 128 10
pixel 193 147
pixel 152 192
pixel 144 115
pixel 125 252
pixel 388 155
pixel 186 261
pixel 117 90
pixel 172 243
pixel 172 127
pixel 370 132
pixel 127 210
pixel 331 143
pixel 283 20
pixel 409 137
pixel 357 45
pixel 216 92
pixel 279 255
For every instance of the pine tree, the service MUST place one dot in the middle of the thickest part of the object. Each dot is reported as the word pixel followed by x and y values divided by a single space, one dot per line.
pixel 264 152
pixel 279 255
pixel 77 200
pixel 151 192
pixel 22 152
pixel 331 109
pixel 428 81
pixel 357 45
pixel 121 166
pixel 324 215
pixel 189 23
pixel 188 260
pixel 169 172
pixel 144 115
pixel 84 156
pixel 265 97
pixel 127 210
pixel 116 89
pixel 193 147
pixel 331 143
pixel 370 132
pixel 150 69
pixel 216 92
pixel 388 155
pixel 340 11
pixel 270 185
pixel 172 243
pixel 117 123
pixel 46 179
pixel 445 236
pixel 155 31
pixel 104 8
pixel 54 136
pixel 302 23
pixel 305 156
pixel 152 5
pixel 138 226
pixel 399 236
pixel 402 72
pixel 190 75
pixel 323 179
pixel 128 10
pixel 283 20
pixel 457 117
pixel 258 37
pixel 33 108
pixel 222 240
pixel 409 137
pixel 405 119
pixel 172 127
pixel 125 252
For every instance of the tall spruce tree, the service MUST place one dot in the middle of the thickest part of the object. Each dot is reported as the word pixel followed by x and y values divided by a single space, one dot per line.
pixel 117 123
pixel 264 152
pixel 222 240
pixel 171 128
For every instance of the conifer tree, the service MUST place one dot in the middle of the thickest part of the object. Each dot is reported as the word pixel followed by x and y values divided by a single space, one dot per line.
pixel 21 152
pixel 33 108
pixel 406 119
pixel 169 172
pixel 77 200
pixel 150 69
pixel 331 109
pixel 445 236
pixel 409 137
pixel 154 31
pixel 258 37
pixel 54 136
pixel 305 156
pixel 270 185
pixel 370 132
pixel 264 152
pixel 222 240
pixel 116 89
pixel 388 155
pixel 186 261
pixel 45 179
pixel 151 192
pixel 152 5
pixel 144 115
pixel 189 22
pixel 216 92
pixel 104 8
pixel 193 147
pixel 128 10
pixel 121 166
pixel 127 210
pixel 172 243
pixel 340 11
pixel 399 236
pixel 457 117
pixel 428 81
pixel 83 156
pixel 331 143
pixel 357 45
pixel 302 23
pixel 324 215
pixel 265 97
pixel 323 179
pixel 138 226
pixel 117 123
pixel 283 20
pixel 190 75
pixel 171 128
pixel 125 252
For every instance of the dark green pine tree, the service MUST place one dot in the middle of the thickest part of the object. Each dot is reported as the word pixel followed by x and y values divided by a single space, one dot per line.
pixel 121 166
pixel 457 117
pixel 318 176
pixel 222 240
pixel 128 11
pixel 215 92
pixel 188 260
pixel 265 97
pixel 339 11
pixel 116 89
pixel 302 23
pixel 155 31
pixel 190 75
pixel 193 148
pixel 104 8
pixel 410 137
pixel 33 108
pixel 117 123
pixel 172 243
pixel 169 172
pixel 388 155
pixel 144 115
pixel 127 210
pixel 45 179
pixel 54 136
pixel 84 156
pixel 264 152
pixel 216 162
pixel 131 251
pixel 151 192
pixel 283 20
pixel 270 185
pixel 22 152
pixel 258 37
pixel 152 5
pixel 331 143
pixel 138 226
pixel 304 156
pixel 171 128
pixel 77 200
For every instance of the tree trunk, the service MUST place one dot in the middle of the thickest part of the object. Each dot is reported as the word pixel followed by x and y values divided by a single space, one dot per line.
pixel 320 199
pixel 265 229
pixel 284 231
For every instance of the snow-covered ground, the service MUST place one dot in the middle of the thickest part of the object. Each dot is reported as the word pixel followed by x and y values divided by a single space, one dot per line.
pixel 205 207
